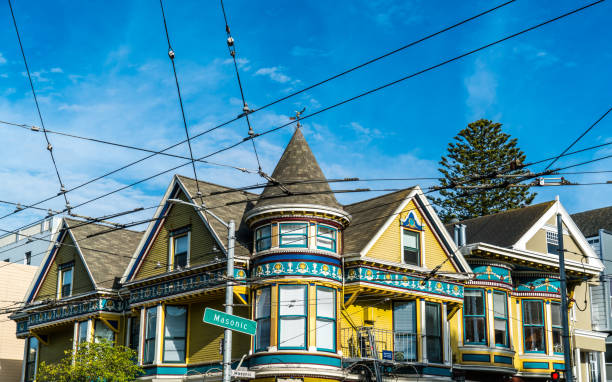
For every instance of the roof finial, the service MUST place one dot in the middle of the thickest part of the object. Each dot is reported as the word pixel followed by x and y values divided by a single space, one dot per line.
pixel 298 114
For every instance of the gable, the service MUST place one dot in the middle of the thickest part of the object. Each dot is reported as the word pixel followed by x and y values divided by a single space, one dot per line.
pixel 178 216
pixel 538 243
pixel 66 253
pixel 388 245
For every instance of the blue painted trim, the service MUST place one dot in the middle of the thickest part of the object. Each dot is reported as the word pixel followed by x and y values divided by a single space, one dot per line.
pixel 281 358
pixel 543 326
pixel 433 370
pixel 414 225
pixel 502 359
pixel 152 370
pixel 535 365
pixel 296 257
pixel 559 366
pixel 476 358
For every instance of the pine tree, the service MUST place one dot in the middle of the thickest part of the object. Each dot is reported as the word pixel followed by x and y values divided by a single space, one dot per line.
pixel 480 149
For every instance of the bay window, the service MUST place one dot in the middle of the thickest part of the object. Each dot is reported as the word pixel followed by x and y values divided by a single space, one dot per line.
pixel 175 334
pixel 411 247
pixel 433 332
pixel 262 316
pixel 149 340
pixel 326 319
pixel 263 238
pixel 103 333
pixel 500 318
pixel 533 326
pixel 82 332
pixel 404 329
pixel 293 235
pixel 31 359
pixel 474 317
pixel 326 238
pixel 292 316
pixel 555 320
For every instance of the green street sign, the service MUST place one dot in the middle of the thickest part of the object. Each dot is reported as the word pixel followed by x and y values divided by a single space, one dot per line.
pixel 228 321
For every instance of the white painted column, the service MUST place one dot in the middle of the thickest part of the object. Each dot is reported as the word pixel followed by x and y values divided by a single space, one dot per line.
pixel 75 336
pixel 423 330
pixel 577 371
pixel 519 324
pixel 548 327
pixel 159 331
pixel 490 317
pixel 602 366
pixel 446 350
pixel 141 335
pixel 128 330
pixel 90 330
pixel 511 322
pixel 25 358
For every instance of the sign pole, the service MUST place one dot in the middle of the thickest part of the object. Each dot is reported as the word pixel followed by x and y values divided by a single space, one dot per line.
pixel 229 300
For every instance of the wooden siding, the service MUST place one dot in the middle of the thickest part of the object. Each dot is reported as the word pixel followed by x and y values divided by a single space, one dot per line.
pixel 538 244
pixel 201 245
pixel 59 341
pixel 388 247
pixel 81 280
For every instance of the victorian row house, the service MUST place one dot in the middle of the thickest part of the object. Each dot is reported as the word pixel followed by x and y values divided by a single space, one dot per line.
pixel 375 290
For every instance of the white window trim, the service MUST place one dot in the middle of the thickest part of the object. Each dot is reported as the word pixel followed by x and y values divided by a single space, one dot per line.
pixel 143 322
pixel 316 237
pixel 422 260
pixel 25 358
pixel 548 322
pixel 309 241
pixel 170 266
pixel 159 334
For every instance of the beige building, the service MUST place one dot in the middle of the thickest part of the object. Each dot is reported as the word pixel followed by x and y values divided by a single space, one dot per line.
pixel 14 282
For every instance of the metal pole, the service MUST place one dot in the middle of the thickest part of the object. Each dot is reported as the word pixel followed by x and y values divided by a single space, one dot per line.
pixel 564 310
pixel 229 301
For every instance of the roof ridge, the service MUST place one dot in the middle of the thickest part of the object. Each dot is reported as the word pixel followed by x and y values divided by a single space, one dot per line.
pixel 216 184
pixel 100 225
pixel 589 211
pixel 503 212
pixel 380 196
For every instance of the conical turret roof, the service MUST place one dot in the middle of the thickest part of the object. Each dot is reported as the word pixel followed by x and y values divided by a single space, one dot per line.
pixel 300 174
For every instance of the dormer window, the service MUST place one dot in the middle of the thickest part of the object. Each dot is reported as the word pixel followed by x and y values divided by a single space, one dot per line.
pixel 263 238
pixel 66 272
pixel 179 248
pixel 326 237
pixel 294 235
pixel 411 248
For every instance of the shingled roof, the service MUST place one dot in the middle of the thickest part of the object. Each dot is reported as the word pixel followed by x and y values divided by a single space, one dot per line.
pixel 368 217
pixel 226 205
pixel 503 229
pixel 590 222
pixel 298 164
pixel 106 255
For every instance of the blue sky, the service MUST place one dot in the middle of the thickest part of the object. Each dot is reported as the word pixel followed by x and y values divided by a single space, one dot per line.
pixel 101 70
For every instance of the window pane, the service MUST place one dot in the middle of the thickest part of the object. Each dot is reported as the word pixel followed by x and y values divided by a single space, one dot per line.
pixel 404 317
pixel 555 314
pixel 326 303
pixel 32 349
pixel 181 244
pixel 294 229
pixel 475 329
pixel 82 331
pixel 292 332
pixel 262 306
pixel 473 302
pixel 103 332
pixel 325 334
pixel 534 338
pixel 175 326
pixel 411 239
pixel 263 334
pixel 325 243
pixel 67 276
pixel 151 322
pixel 294 235
pixel 433 332
pixel 149 351
pixel 499 304
pixel 328 232
pixel 533 312
pixel 135 333
pixel 292 300
pixel 557 340
pixel 262 237
pixel 500 332
pixel 174 350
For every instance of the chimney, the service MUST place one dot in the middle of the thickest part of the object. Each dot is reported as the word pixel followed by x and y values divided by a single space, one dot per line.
pixel 462 237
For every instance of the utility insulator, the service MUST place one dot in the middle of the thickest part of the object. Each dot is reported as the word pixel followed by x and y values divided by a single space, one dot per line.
pixel 49 146
pixel 171 54
pixel 230 41
pixel 35 128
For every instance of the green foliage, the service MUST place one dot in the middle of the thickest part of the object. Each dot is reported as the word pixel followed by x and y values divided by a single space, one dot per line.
pixel 92 362
pixel 480 149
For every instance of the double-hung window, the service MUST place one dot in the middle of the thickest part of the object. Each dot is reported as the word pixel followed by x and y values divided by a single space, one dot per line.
pixel 326 319
pixel 533 326
pixel 555 320
pixel 433 332
pixel 31 359
pixel 262 316
pixel 404 329
pixel 293 301
pixel 500 318
pixel 134 335
pixel 175 333
pixel 474 317
pixel 326 237
pixel 103 333
pixel 294 235
pixel 180 251
pixel 411 252
pixel 66 272
pixel 149 340
pixel 263 238
pixel 82 332
pixel 552 242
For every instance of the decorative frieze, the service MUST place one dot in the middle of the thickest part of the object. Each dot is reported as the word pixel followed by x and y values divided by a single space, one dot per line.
pixel 298 268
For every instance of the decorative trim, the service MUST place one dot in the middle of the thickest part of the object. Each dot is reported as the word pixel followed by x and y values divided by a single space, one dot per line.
pixel 535 365
pixel 411 222
pixel 502 359
pixel 476 358
pixel 260 359
pixel 298 268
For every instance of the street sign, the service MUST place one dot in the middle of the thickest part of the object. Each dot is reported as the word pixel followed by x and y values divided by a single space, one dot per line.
pixel 229 321
pixel 387 355
pixel 243 374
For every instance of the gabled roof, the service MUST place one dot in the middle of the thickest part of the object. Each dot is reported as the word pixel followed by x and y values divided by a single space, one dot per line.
pixel 298 164
pixel 107 254
pixel 226 205
pixel 503 229
pixel 590 222
pixel 368 217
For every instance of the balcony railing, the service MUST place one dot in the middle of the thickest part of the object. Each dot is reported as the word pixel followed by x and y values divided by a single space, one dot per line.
pixel 378 344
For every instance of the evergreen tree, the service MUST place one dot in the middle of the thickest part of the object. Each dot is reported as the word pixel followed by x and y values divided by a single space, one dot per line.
pixel 480 149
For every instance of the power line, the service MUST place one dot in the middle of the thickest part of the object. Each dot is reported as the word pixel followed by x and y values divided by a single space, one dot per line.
pixel 580 137
pixel 42 123
pixel 279 100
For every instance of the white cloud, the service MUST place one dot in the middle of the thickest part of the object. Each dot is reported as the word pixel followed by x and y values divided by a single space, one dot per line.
pixel 274 73
pixel 538 58
pixel 2 59
pixel 243 63
pixel 56 70
pixel 481 88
